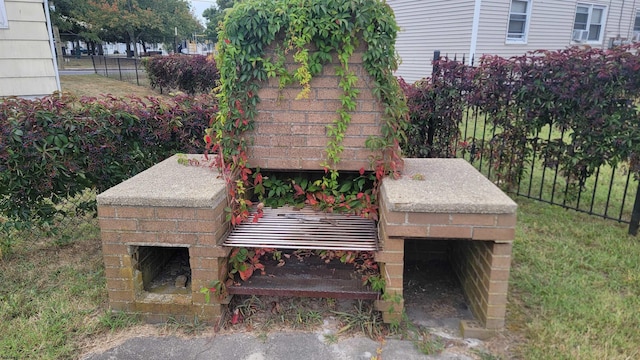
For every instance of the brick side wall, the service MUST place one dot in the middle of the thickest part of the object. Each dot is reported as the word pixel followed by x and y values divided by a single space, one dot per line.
pixel 483 270
pixel 290 134
pixel 201 230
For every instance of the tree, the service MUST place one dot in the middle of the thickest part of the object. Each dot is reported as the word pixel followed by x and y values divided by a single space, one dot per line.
pixel 214 16
pixel 72 21
pixel 141 20
pixel 174 15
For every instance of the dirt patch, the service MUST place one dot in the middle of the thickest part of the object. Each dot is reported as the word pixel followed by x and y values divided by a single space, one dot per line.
pixel 433 296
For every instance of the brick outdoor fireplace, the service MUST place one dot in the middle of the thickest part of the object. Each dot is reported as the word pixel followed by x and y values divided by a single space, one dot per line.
pixel 174 214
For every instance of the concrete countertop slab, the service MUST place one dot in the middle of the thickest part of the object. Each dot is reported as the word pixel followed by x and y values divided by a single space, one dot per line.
pixel 169 183
pixel 444 186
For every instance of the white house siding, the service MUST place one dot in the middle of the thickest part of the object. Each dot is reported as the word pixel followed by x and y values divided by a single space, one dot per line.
pixel 628 18
pixel 26 60
pixel 620 19
pixel 426 26
pixel 550 27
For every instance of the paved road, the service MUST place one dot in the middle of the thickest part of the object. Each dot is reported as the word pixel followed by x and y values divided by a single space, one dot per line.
pixel 77 72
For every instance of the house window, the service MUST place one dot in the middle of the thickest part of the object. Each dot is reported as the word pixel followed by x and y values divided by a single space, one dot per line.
pixel 4 22
pixel 588 25
pixel 518 20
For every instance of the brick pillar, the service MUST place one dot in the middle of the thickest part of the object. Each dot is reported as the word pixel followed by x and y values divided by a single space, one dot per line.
pixel 391 261
pixel 483 270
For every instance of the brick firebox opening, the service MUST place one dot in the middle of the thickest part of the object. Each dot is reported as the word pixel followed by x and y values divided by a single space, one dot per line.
pixel 448 200
pixel 432 282
pixel 161 269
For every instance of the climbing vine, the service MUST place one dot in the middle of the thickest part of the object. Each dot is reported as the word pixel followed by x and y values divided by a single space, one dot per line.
pixel 310 30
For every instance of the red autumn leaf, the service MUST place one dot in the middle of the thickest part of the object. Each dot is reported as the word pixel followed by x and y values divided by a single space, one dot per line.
pixel 260 267
pixel 360 195
pixel 258 179
pixel 246 274
pixel 311 200
pixel 361 171
pixel 237 317
pixel 227 41
pixel 298 190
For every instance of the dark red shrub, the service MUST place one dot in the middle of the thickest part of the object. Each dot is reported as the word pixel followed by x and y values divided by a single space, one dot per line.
pixel 587 96
pixel 436 106
pixel 188 73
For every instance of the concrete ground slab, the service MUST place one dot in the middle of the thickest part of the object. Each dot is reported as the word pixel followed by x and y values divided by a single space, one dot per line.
pixel 275 346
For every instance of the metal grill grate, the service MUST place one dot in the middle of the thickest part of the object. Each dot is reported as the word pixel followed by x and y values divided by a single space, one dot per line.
pixel 290 228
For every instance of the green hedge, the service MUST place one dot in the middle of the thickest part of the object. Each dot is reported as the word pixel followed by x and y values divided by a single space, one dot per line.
pixel 57 146
pixel 587 96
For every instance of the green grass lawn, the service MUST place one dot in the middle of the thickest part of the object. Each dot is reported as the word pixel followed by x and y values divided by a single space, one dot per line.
pixel 97 85
pixel 575 286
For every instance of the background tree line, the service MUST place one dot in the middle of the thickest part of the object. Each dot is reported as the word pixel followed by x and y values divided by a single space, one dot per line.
pixel 124 21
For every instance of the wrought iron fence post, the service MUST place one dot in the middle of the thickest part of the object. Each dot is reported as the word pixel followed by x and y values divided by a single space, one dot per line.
pixel 106 67
pixel 135 64
pixel 436 57
pixel 93 61
pixel 635 214
pixel 119 69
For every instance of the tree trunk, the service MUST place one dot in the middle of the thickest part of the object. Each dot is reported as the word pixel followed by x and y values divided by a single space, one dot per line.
pixel 134 41
pixel 78 50
pixel 59 53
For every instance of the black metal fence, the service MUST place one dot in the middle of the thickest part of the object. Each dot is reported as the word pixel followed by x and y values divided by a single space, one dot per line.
pixel 608 193
pixel 611 192
pixel 121 68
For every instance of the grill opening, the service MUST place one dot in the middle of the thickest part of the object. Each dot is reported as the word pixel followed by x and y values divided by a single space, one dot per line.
pixel 288 224
pixel 433 295
pixel 162 270
pixel 305 273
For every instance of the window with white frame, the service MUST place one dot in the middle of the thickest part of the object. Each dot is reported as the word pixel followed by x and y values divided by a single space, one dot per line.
pixel 4 22
pixel 588 25
pixel 518 20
